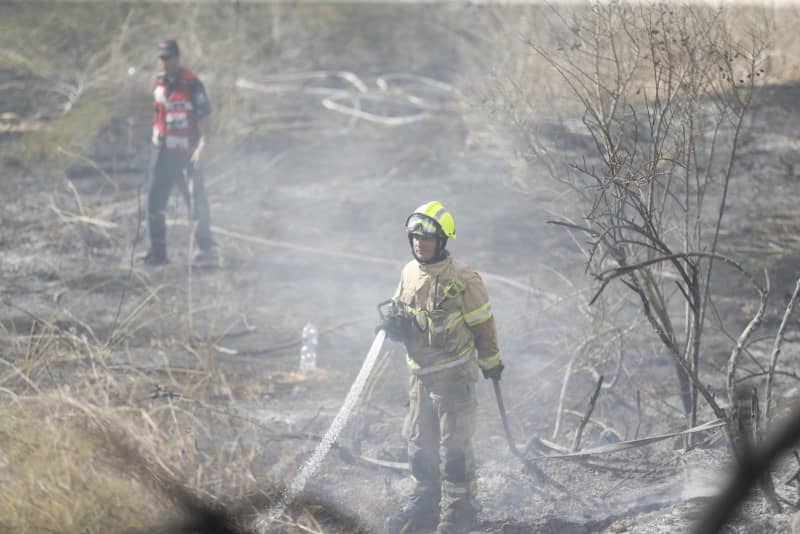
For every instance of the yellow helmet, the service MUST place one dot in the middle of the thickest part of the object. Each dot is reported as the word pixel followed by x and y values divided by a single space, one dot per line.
pixel 432 218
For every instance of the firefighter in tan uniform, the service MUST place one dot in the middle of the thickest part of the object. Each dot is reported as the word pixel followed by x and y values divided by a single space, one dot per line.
pixel 442 314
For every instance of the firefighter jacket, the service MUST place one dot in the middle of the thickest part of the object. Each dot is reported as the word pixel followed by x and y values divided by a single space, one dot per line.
pixel 179 103
pixel 450 317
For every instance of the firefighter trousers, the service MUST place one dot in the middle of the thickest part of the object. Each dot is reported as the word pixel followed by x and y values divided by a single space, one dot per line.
pixel 439 429
pixel 168 169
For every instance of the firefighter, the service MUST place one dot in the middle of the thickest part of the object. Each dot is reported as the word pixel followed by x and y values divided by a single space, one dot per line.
pixel 442 314
pixel 181 107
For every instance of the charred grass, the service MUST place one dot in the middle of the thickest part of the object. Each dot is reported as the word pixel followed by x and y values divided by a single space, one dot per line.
pixel 135 424
pixel 131 422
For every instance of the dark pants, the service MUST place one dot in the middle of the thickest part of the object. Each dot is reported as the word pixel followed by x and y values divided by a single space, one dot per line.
pixel 167 168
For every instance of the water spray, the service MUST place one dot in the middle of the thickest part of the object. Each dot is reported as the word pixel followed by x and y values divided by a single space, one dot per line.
pixel 314 461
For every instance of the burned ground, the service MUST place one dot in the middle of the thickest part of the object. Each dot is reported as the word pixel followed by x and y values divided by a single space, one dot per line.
pixel 307 204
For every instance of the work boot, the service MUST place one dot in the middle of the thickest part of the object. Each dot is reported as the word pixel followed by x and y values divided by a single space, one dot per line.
pixel 206 259
pixel 419 513
pixel 155 257
pixel 458 519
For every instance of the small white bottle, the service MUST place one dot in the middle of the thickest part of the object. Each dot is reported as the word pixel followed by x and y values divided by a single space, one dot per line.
pixel 308 351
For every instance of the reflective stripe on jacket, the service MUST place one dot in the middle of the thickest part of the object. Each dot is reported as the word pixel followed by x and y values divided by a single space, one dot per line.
pixel 178 105
pixel 451 317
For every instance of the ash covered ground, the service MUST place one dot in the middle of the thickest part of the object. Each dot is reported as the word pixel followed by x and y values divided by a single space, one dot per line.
pixel 308 218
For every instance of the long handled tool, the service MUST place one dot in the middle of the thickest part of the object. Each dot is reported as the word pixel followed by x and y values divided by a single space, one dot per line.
pixel 530 467
pixel 498 394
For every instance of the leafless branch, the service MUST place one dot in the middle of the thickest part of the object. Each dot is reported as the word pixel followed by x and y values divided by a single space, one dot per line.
pixel 742 341
pixel 579 432
pixel 776 352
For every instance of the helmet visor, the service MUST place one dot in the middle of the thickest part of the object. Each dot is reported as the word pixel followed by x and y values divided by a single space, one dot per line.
pixel 419 224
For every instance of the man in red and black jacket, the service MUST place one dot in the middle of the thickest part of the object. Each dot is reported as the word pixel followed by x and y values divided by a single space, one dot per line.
pixel 181 107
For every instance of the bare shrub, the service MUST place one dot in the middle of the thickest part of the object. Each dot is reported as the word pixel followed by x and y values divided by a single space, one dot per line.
pixel 664 92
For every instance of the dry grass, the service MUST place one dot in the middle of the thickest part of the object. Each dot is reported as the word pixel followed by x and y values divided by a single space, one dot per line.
pixel 110 448
pixel 112 452
pixel 56 478
pixel 90 443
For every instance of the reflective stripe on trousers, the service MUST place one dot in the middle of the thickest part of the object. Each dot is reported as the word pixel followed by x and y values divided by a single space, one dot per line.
pixel 441 417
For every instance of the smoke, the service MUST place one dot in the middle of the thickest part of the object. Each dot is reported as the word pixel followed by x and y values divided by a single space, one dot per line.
pixel 314 165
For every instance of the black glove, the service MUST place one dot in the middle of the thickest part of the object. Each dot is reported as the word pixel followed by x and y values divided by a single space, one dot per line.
pixel 394 326
pixel 495 372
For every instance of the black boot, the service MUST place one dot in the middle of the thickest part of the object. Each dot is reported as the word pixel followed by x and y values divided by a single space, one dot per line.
pixel 419 513
pixel 155 257
pixel 206 259
pixel 459 518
